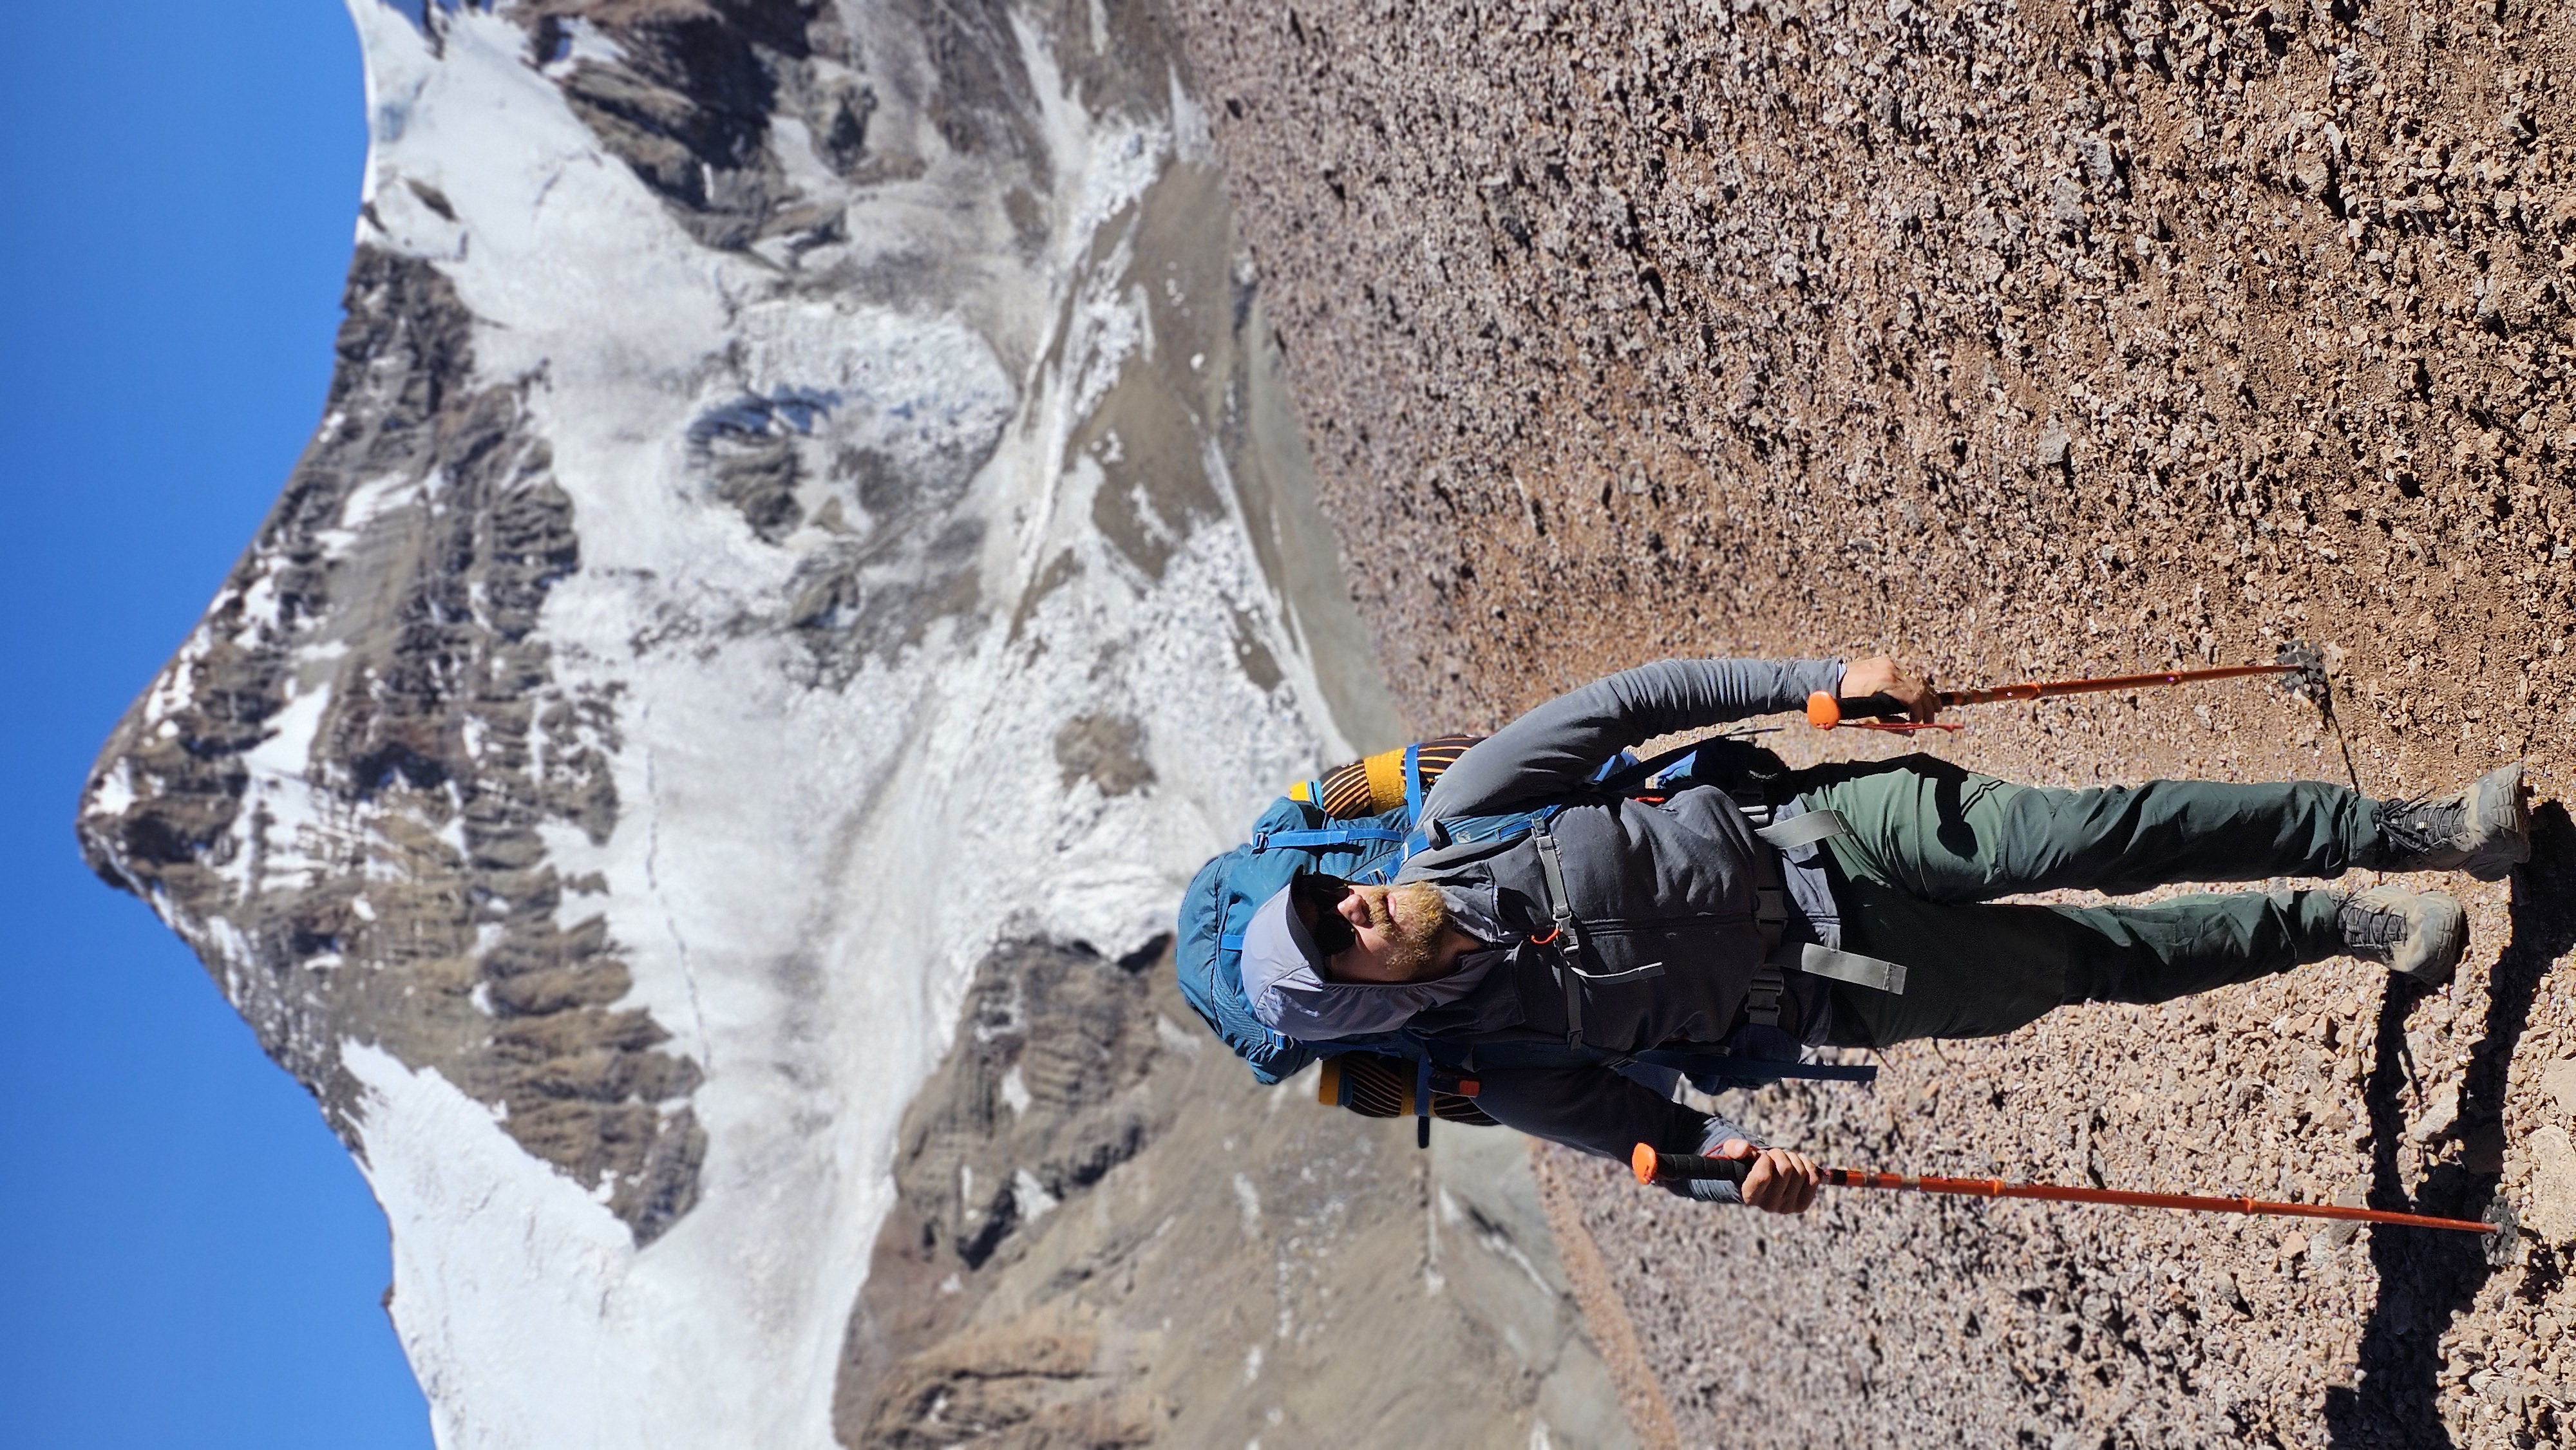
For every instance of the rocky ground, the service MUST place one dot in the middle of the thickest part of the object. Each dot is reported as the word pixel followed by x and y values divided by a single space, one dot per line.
pixel 2010 338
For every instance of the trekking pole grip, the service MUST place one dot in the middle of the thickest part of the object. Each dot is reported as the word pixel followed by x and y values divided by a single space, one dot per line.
pixel 1653 1167
pixel 1825 711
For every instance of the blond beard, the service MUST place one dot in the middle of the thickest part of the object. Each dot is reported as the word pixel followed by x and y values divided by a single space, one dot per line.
pixel 1414 917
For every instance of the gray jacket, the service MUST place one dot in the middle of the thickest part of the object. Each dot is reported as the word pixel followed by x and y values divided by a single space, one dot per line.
pixel 1662 894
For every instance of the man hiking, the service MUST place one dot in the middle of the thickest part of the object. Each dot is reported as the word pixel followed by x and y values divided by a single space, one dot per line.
pixel 1851 905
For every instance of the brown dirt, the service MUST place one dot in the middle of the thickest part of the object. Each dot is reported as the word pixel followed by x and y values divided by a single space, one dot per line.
pixel 2011 339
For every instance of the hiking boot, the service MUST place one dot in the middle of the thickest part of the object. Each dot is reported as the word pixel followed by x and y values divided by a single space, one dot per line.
pixel 2484 828
pixel 2418 934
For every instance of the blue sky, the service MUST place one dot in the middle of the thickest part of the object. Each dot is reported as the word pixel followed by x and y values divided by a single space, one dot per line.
pixel 187 1257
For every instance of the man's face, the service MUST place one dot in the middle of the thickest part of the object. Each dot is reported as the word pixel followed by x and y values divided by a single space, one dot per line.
pixel 1381 933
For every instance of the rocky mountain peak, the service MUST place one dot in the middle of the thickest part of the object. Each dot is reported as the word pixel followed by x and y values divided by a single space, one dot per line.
pixel 807 549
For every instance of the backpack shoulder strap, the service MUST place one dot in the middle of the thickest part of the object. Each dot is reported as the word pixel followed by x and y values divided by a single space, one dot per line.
pixel 1419 838
pixel 1322 836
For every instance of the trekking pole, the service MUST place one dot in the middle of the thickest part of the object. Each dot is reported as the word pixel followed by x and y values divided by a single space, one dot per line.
pixel 1653 1167
pixel 1885 712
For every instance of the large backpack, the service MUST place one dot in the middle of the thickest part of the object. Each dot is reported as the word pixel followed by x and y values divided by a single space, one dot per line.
pixel 1360 823
pixel 1344 825
pixel 1292 836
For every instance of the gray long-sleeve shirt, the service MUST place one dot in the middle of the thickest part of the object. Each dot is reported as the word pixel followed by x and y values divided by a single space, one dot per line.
pixel 1557 746
pixel 1669 881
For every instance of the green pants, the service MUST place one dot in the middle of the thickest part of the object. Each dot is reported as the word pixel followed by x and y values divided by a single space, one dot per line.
pixel 1931 845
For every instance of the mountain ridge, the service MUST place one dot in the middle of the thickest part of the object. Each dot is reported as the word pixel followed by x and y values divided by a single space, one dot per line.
pixel 806 527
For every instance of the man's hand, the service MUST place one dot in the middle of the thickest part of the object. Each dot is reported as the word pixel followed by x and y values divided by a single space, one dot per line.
pixel 1781 1181
pixel 1884 676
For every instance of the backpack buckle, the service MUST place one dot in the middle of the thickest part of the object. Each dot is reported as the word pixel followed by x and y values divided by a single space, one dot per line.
pixel 1754 803
pixel 1771 916
pixel 1762 999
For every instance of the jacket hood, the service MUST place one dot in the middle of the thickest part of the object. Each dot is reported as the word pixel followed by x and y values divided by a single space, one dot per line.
pixel 1283 980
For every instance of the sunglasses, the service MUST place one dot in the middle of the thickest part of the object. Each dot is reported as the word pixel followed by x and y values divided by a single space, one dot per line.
pixel 1314 897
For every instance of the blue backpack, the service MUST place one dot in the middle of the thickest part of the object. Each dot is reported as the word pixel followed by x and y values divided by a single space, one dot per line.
pixel 1291 836
pixel 1295 834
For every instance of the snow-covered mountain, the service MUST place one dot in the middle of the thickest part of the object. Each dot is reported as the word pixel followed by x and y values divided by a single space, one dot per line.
pixel 805 519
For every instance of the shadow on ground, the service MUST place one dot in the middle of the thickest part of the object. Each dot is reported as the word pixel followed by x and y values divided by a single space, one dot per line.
pixel 2427 1277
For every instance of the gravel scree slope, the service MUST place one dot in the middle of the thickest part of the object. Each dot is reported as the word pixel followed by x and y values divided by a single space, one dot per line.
pixel 2013 339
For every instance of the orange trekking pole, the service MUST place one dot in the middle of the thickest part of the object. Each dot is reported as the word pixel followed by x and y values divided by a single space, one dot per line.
pixel 1883 712
pixel 1653 1167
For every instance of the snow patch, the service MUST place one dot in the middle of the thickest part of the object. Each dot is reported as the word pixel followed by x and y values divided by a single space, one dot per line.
pixel 282 812
pixel 1173 1036
pixel 114 793
pixel 508 1278
pixel 1030 1196
pixel 802 877
pixel 369 501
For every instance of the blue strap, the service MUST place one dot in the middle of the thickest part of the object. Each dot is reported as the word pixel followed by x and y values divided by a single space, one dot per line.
pixel 1336 836
pixel 1623 781
pixel 1230 943
pixel 1420 839
pixel 1512 829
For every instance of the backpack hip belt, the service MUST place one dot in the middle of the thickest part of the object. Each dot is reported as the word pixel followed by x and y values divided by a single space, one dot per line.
pixel 1771 916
